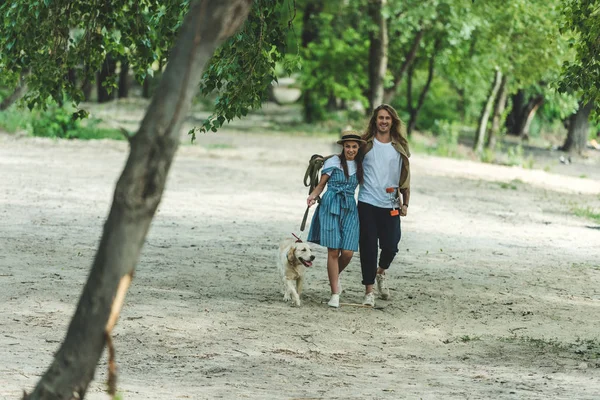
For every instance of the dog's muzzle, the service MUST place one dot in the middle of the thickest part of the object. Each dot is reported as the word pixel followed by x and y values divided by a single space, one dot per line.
pixel 307 263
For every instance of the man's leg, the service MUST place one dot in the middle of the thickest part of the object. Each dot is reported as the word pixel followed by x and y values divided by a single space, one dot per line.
pixel 389 237
pixel 368 244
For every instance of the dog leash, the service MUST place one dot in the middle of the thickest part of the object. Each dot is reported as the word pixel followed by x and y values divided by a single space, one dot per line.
pixel 298 240
pixel 311 180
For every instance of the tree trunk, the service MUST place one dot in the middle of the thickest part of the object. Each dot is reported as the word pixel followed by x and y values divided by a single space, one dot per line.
pixel 485 113
pixel 528 115
pixel 579 126
pixel 498 111
pixel 378 54
pixel 310 33
pixel 414 111
pixel 109 68
pixel 409 102
pixel 515 117
pixel 137 195
pixel 408 60
pixel 16 94
pixel 124 80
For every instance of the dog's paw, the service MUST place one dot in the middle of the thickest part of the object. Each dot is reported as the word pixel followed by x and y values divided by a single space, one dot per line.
pixel 286 297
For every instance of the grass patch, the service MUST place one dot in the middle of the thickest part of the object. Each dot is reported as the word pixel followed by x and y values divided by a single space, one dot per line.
pixel 219 146
pixel 587 212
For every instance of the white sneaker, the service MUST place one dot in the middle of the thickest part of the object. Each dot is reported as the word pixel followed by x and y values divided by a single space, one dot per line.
pixel 334 301
pixel 382 288
pixel 369 299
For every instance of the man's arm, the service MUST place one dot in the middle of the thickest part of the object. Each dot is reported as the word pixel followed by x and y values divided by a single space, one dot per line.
pixel 405 200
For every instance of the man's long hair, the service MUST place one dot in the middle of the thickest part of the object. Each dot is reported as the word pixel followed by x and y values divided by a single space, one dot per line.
pixel 397 131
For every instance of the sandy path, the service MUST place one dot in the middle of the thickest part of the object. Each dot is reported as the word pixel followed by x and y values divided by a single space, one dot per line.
pixel 495 290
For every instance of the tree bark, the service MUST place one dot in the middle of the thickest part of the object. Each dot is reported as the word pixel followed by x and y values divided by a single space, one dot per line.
pixel 16 94
pixel 579 126
pixel 408 60
pixel 485 113
pixel 109 67
pixel 310 33
pixel 414 111
pixel 124 80
pixel 378 54
pixel 528 115
pixel 498 111
pixel 137 195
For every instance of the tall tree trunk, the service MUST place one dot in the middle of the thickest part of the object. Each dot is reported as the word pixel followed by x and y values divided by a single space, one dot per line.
pixel 485 113
pixel 515 116
pixel 310 34
pixel 409 58
pixel 414 111
pixel 378 54
pixel 109 68
pixel 124 79
pixel 17 93
pixel 528 115
pixel 579 126
pixel 137 195
pixel 498 111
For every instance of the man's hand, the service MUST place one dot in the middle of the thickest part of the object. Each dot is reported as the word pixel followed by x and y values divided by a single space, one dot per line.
pixel 403 210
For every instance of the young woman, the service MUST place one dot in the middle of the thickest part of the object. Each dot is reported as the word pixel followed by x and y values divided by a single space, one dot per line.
pixel 335 222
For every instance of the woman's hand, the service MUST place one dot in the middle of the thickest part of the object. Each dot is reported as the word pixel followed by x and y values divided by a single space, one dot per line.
pixel 311 200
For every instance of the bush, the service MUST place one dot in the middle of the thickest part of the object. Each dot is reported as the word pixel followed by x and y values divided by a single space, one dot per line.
pixel 58 122
pixel 13 120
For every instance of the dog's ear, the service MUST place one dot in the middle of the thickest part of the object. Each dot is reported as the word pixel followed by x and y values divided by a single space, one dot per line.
pixel 291 257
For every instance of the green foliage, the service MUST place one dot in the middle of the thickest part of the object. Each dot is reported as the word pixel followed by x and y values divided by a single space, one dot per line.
pixel 13 120
pixel 52 38
pixel 242 69
pixel 58 122
pixel 582 74
pixel 447 134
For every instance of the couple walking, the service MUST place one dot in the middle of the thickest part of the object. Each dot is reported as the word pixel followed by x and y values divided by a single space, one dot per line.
pixel 378 162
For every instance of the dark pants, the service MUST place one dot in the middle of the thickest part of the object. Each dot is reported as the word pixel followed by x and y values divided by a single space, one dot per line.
pixel 376 225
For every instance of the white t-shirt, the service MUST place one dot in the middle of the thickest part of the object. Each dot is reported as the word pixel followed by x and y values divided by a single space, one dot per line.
pixel 381 166
pixel 337 163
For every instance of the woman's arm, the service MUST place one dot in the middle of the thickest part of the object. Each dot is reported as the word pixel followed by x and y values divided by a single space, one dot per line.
pixel 312 198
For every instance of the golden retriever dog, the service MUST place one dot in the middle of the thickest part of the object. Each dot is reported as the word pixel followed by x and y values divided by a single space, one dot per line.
pixel 292 260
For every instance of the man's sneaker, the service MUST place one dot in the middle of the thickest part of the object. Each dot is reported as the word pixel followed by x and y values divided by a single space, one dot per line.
pixel 382 288
pixel 369 299
pixel 334 301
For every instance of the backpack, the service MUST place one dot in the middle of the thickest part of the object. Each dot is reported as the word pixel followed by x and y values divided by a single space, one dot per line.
pixel 311 180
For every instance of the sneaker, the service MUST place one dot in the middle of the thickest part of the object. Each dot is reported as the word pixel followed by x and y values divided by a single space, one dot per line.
pixel 382 288
pixel 369 299
pixel 334 301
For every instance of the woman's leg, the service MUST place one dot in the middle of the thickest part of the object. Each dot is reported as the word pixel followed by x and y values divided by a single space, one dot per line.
pixel 345 258
pixel 333 272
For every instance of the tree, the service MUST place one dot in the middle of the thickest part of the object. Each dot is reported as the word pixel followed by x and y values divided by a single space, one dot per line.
pixel 378 53
pixel 578 129
pixel 581 74
pixel 140 187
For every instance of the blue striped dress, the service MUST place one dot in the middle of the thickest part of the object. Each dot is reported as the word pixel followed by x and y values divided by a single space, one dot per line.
pixel 335 222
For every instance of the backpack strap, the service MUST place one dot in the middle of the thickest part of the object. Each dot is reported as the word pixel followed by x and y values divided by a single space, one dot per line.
pixel 311 180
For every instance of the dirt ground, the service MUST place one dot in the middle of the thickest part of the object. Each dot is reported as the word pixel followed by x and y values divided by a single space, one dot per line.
pixel 495 290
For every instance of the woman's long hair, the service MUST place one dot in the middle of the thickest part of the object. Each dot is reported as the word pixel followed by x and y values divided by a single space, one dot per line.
pixel 397 131
pixel 359 163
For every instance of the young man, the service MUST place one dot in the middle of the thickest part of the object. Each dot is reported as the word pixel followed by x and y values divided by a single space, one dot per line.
pixel 385 166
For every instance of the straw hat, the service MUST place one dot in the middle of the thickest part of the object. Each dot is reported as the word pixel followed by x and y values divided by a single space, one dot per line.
pixel 351 136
